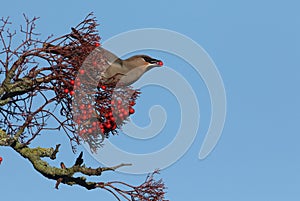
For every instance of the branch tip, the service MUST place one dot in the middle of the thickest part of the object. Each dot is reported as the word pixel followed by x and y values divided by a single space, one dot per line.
pixel 79 160
pixel 56 150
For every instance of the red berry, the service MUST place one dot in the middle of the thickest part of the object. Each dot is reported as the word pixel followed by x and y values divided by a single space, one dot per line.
pixel 81 71
pixel 78 84
pixel 72 82
pixel 90 130
pixel 131 110
pixel 125 113
pixel 94 124
pixel 72 93
pixel 66 90
pixel 112 102
pixel 108 125
pixel 97 44
pixel 119 102
pixel 114 127
pixel 160 63
pixel 103 87
pixel 81 106
pixel 81 133
pixel 132 103
pixel 1 159
pixel 101 126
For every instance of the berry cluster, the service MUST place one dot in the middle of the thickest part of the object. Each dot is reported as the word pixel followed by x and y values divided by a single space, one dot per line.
pixel 97 109
pixel 101 119
pixel 104 115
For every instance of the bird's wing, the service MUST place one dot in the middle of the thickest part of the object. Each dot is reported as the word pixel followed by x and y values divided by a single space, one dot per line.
pixel 109 56
pixel 114 70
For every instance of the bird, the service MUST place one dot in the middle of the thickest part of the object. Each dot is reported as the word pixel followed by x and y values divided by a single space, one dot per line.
pixel 125 72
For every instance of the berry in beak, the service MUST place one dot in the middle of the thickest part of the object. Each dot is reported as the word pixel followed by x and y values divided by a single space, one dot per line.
pixel 160 63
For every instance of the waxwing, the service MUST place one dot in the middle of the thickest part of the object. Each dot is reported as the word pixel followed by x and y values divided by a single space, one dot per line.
pixel 125 72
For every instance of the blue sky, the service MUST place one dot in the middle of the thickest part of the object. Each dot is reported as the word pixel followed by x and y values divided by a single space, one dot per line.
pixel 256 47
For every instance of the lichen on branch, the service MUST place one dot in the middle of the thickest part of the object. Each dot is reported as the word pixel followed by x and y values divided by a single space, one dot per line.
pixel 149 190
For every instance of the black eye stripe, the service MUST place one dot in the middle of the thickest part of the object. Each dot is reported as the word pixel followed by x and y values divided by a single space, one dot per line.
pixel 149 59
